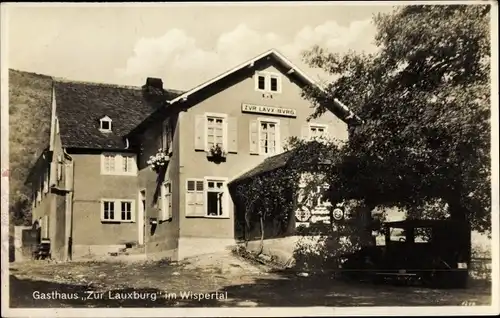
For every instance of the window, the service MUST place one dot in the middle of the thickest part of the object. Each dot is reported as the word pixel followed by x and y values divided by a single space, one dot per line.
pixel 268 137
pixel 109 210
pixel 215 198
pixel 105 124
pixel 215 131
pixel 268 82
pixel 38 196
pixel 118 164
pixel 166 201
pixel 194 197
pixel 317 131
pixel 126 210
pixel 117 210
pixel 128 163
pixel 261 82
pixel 109 163
pixel 274 83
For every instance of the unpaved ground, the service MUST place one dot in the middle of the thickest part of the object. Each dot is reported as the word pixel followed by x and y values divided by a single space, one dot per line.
pixel 228 280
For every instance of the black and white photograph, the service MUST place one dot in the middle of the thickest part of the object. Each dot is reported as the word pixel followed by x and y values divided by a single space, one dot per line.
pixel 249 159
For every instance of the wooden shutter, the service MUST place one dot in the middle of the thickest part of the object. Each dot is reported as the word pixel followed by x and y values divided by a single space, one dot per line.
pixel 199 132
pixel 45 182
pixel 45 226
pixel 254 137
pixel 170 137
pixel 59 168
pixel 232 134
pixel 166 202
pixel 305 131
pixel 195 197
pixel 53 173
pixel 284 134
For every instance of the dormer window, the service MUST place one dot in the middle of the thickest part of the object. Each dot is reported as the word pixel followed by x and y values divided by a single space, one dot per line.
pixel 105 124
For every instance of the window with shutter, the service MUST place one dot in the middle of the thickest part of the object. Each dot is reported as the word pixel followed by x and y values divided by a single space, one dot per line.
pixel 195 200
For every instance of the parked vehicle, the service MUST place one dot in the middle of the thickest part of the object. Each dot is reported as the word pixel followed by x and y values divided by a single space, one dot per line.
pixel 431 252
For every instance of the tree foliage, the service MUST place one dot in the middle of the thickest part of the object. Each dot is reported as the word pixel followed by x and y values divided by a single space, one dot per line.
pixel 29 131
pixel 424 98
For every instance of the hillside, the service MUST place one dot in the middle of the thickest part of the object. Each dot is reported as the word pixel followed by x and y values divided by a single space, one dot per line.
pixel 29 131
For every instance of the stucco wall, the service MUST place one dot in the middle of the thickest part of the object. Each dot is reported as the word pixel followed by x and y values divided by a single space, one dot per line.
pixel 89 188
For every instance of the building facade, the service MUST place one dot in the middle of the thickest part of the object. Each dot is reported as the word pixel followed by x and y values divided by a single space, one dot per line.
pixel 148 168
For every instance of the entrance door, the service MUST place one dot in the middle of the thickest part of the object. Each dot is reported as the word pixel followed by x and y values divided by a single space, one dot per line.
pixel 140 215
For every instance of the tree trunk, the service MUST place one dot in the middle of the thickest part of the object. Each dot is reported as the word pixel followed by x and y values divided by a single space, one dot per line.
pixel 459 214
pixel 247 226
pixel 261 248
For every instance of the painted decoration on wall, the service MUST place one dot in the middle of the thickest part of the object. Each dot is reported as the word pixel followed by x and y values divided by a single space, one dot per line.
pixel 338 214
pixel 303 214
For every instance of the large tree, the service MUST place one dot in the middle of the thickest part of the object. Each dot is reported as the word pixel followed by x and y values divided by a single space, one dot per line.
pixel 424 99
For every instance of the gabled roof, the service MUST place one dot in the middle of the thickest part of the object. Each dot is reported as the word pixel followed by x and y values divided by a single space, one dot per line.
pixel 293 70
pixel 81 105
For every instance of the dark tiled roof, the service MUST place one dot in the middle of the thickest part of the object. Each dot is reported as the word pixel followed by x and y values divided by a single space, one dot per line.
pixel 81 105
pixel 269 164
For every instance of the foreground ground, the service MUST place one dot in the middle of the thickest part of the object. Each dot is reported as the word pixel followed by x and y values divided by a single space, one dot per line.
pixel 237 282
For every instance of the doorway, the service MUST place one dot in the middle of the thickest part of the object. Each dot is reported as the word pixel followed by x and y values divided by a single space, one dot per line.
pixel 141 213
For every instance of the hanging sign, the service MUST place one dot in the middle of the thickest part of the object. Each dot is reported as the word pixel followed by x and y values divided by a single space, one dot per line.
pixel 338 214
pixel 269 110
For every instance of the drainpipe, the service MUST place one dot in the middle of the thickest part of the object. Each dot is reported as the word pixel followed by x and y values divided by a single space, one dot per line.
pixel 70 181
pixel 126 143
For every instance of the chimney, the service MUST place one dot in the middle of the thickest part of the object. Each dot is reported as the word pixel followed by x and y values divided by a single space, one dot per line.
pixel 152 82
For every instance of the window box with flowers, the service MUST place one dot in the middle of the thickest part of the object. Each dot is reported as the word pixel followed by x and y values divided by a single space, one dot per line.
pixel 216 153
pixel 159 161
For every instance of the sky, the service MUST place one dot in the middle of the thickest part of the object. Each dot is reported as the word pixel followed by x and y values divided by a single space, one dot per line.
pixel 184 45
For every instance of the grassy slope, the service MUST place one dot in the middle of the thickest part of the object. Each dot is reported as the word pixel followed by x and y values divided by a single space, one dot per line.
pixel 29 132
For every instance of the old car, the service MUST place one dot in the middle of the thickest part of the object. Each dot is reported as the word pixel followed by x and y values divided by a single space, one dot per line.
pixel 430 252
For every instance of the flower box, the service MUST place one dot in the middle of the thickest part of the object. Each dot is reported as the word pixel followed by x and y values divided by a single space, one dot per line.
pixel 216 153
pixel 159 160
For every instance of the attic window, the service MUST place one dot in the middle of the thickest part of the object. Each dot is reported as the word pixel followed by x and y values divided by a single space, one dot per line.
pixel 105 124
pixel 268 82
